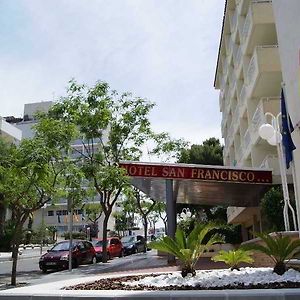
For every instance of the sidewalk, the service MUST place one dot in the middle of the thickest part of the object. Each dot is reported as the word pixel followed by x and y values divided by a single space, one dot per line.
pixel 26 253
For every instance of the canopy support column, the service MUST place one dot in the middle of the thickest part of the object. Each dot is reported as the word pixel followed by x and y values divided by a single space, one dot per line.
pixel 171 214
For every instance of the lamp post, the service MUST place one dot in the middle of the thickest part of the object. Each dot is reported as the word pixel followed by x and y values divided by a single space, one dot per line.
pixel 271 133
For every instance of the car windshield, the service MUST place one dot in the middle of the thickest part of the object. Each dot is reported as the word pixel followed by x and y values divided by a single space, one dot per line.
pixel 64 246
pixel 97 243
pixel 127 239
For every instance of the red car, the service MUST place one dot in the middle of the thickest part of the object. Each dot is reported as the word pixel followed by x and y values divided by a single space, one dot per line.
pixel 58 257
pixel 114 248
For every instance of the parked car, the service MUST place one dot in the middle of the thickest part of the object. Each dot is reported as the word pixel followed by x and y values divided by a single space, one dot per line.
pixel 133 244
pixel 58 256
pixel 114 248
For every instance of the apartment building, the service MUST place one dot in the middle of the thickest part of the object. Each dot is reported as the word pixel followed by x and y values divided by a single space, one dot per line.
pixel 249 77
pixel 56 214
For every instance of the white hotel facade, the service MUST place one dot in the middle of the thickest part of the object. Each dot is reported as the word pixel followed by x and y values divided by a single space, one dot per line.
pixel 249 77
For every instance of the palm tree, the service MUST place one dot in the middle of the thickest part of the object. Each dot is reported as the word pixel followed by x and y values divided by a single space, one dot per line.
pixel 234 257
pixel 280 249
pixel 188 248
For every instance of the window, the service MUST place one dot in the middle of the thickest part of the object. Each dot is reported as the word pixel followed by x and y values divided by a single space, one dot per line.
pixel 50 213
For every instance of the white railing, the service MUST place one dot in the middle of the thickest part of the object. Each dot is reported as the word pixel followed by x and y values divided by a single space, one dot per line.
pixel 247 25
pixel 252 68
pixel 247 139
pixel 258 117
pixel 239 153
pixel 234 20
pixel 238 57
pixel 269 162
pixel 236 116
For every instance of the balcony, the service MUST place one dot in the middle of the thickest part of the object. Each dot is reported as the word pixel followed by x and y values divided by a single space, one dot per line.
pixel 271 162
pixel 259 27
pixel 246 143
pixel 263 76
pixel 266 104
pixel 242 6
pixel 242 100
pixel 238 58
pixel 9 131
pixel 234 21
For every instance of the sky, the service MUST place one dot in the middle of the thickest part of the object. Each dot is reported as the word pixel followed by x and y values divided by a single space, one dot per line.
pixel 162 50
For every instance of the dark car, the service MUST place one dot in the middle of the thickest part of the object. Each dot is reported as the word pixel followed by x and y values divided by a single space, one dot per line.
pixel 114 248
pixel 133 244
pixel 58 257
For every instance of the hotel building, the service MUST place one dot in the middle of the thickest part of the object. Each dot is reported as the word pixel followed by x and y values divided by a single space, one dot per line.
pixel 249 77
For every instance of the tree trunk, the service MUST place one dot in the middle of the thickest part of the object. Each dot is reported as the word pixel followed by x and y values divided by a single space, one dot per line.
pixel 15 252
pixel 104 247
pixel 145 232
pixel 2 215
pixel 166 228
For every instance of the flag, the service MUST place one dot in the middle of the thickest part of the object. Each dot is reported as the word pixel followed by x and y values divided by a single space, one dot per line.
pixel 287 128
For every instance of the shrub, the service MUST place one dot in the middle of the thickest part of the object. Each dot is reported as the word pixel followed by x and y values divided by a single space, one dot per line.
pixel 188 248
pixel 233 258
pixel 279 248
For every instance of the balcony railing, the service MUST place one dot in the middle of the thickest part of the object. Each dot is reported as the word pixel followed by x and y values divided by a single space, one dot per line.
pixel 259 115
pixel 251 69
pixel 247 139
pixel 239 153
pixel 247 25
pixel 234 20
pixel 242 99
pixel 238 57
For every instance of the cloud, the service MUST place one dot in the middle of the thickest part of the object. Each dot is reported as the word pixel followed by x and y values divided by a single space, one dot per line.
pixel 163 50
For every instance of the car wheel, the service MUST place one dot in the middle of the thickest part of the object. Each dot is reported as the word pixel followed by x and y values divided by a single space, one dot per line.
pixel 108 256
pixel 93 260
pixel 121 253
pixel 44 270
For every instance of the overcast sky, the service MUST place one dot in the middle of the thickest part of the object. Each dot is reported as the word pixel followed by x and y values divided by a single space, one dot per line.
pixel 162 50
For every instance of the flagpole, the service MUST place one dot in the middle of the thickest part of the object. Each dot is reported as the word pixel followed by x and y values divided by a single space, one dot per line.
pixel 296 192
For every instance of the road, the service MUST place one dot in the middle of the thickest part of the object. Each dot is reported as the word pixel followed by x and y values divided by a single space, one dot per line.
pixel 29 273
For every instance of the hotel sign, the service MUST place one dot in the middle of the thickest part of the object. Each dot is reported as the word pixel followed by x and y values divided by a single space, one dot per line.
pixel 197 173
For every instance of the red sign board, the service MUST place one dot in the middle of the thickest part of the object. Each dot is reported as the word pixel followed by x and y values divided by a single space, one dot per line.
pixel 197 173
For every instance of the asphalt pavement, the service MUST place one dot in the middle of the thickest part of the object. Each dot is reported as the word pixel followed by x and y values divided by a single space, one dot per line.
pixel 28 269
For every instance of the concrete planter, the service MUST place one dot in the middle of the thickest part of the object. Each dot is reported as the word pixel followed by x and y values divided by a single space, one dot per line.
pixel 54 291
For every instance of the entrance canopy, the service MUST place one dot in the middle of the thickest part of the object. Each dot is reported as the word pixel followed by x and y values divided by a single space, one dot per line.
pixel 201 184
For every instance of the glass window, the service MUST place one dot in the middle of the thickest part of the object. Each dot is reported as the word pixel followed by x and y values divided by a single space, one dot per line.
pixel 50 213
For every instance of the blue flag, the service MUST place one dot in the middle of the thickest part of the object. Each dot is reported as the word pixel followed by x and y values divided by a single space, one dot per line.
pixel 287 128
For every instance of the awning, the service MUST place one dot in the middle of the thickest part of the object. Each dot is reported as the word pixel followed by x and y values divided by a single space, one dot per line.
pixel 201 184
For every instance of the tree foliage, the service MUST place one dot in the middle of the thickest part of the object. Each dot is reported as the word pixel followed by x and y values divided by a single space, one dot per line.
pixel 272 207
pixel 209 153
pixel 112 127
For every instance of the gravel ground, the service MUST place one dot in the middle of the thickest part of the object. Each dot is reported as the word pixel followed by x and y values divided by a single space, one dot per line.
pixel 118 283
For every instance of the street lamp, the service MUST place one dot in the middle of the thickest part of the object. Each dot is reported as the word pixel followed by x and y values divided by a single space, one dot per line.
pixel 271 133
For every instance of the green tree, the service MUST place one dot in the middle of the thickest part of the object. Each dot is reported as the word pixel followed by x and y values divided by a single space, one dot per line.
pixel 112 127
pixel 188 248
pixel 272 207
pixel 209 153
pixel 31 175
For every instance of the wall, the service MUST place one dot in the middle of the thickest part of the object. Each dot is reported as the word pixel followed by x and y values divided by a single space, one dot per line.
pixel 286 14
